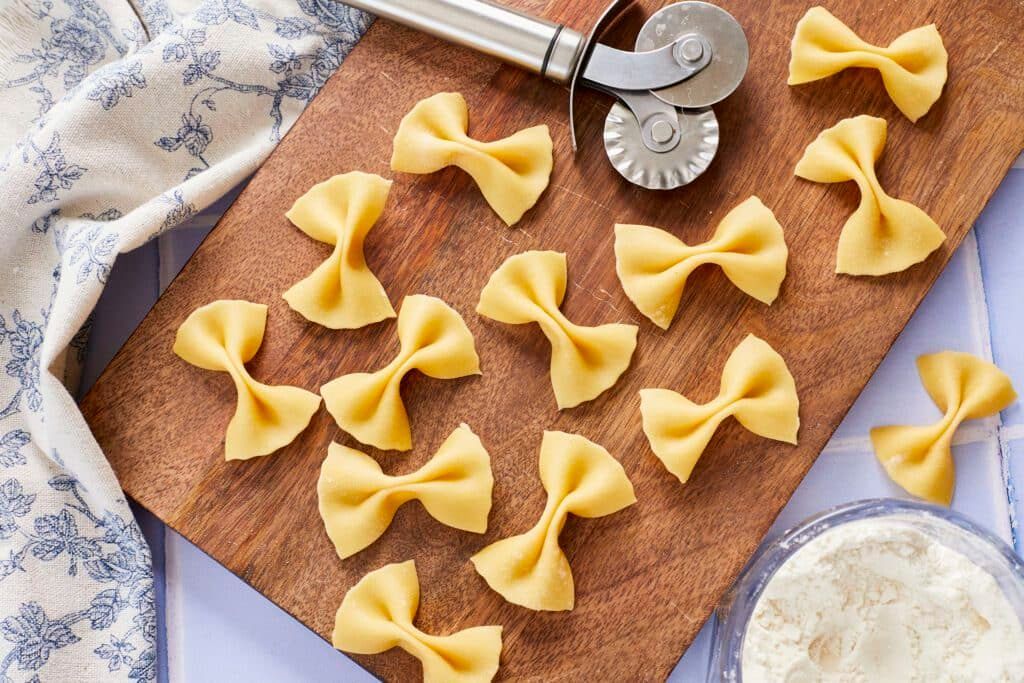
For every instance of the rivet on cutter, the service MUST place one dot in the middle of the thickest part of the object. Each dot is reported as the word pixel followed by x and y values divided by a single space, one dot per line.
pixel 661 133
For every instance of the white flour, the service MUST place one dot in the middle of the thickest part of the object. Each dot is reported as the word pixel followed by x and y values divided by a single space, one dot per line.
pixel 874 601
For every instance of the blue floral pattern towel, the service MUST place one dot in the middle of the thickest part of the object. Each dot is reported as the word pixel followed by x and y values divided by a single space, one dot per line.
pixel 119 119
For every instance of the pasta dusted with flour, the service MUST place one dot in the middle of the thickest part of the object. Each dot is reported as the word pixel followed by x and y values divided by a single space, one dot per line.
pixel 756 388
pixel 884 235
pixel 581 478
pixel 358 501
pixel 511 172
pixel 653 265
pixel 377 614
pixel 964 387
pixel 223 336
pixel 585 361
pixel 434 340
pixel 342 293
pixel 913 67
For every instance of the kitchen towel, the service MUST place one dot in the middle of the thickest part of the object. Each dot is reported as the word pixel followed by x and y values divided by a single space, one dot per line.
pixel 119 119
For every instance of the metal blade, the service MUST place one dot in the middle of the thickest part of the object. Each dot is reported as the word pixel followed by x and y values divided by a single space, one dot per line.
pixel 611 69
pixel 730 55
pixel 624 144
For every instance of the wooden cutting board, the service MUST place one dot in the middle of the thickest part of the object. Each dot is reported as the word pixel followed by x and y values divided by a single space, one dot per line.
pixel 647 577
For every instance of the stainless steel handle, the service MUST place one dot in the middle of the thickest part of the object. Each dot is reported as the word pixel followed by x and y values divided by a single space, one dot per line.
pixel 534 44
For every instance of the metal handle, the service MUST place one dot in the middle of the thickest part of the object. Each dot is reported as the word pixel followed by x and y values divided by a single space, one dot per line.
pixel 549 49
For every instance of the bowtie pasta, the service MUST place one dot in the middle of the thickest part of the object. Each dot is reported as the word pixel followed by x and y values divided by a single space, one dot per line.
pixel 433 339
pixel 377 614
pixel 884 235
pixel 581 478
pixel 511 172
pixel 358 501
pixel 341 293
pixel 913 67
pixel 585 361
pixel 756 388
pixel 653 264
pixel 223 336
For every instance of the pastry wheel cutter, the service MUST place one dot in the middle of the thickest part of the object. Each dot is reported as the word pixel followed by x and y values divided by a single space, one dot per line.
pixel 661 133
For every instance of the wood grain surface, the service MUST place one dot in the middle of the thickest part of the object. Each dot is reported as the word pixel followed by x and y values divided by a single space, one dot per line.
pixel 648 577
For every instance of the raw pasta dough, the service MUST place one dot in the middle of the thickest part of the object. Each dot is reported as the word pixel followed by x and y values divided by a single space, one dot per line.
pixel 341 293
pixel 585 361
pixel 434 340
pixel 884 235
pixel 653 264
pixel 757 389
pixel 377 613
pixel 964 387
pixel 913 67
pixel 224 335
pixel 581 478
pixel 511 172
pixel 358 501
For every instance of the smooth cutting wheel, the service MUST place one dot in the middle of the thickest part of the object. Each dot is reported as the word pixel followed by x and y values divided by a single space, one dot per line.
pixel 623 142
pixel 730 53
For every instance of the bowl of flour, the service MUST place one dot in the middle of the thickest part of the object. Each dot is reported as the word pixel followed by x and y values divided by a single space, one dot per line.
pixel 875 591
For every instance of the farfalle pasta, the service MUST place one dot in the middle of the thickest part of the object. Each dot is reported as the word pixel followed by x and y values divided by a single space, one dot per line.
pixel 581 478
pixel 585 361
pixel 223 336
pixel 964 387
pixel 511 172
pixel 434 339
pixel 884 235
pixel 342 293
pixel 358 501
pixel 913 67
pixel 653 264
pixel 377 614
pixel 756 388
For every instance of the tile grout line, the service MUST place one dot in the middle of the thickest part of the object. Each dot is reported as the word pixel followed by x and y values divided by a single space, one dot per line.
pixel 1011 489
pixel 983 334
pixel 174 624
pixel 1007 526
pixel 982 430
pixel 979 305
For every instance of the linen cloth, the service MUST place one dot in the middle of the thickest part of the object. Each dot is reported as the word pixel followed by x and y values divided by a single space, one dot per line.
pixel 119 119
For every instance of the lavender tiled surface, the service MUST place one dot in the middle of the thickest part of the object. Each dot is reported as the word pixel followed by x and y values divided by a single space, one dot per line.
pixel 216 628
pixel 1001 241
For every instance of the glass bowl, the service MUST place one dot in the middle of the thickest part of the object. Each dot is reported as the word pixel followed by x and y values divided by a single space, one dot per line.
pixel 950 528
